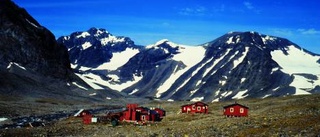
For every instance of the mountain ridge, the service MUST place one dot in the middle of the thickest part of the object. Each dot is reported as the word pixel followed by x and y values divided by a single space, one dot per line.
pixel 206 78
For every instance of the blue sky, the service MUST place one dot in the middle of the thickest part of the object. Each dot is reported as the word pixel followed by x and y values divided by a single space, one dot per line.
pixel 189 22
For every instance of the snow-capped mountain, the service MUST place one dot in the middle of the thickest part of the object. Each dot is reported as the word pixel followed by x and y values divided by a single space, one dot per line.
pixel 249 64
pixel 94 47
pixel 234 66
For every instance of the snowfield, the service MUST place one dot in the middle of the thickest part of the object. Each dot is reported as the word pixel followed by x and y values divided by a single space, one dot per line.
pixel 119 59
pixel 295 63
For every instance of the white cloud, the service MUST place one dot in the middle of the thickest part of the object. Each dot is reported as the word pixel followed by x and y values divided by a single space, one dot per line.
pixel 248 5
pixel 197 11
pixel 283 32
pixel 308 31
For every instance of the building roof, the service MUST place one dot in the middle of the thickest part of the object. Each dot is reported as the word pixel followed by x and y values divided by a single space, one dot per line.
pixel 196 103
pixel 78 113
pixel 236 104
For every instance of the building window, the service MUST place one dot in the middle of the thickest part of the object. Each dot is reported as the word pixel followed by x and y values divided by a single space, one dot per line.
pixel 184 108
pixel 193 107
pixel 199 108
pixel 231 110
pixel 241 110
pixel 143 117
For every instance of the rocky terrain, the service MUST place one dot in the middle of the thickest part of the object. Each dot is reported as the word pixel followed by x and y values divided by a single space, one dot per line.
pixel 282 116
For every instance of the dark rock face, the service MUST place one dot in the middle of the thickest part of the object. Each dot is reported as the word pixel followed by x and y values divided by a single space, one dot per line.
pixel 24 41
pixel 32 64
pixel 147 60
pixel 94 47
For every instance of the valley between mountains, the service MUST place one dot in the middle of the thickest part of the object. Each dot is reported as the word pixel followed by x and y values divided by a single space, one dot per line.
pixel 48 77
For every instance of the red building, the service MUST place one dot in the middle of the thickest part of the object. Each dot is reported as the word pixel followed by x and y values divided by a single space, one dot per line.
pixel 135 113
pixel 235 110
pixel 197 107
pixel 129 113
pixel 87 119
pixel 161 112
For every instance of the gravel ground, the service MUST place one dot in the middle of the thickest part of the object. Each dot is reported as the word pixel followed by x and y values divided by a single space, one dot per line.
pixel 283 116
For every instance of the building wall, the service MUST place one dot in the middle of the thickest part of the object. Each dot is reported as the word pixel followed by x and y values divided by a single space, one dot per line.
pixel 194 108
pixel 236 111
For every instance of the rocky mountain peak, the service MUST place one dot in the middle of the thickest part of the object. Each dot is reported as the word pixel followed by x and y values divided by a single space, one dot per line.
pixel 254 40
pixel 166 46
pixel 25 42
pixel 95 44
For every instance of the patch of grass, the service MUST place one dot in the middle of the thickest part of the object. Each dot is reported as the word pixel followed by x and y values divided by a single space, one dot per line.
pixel 53 101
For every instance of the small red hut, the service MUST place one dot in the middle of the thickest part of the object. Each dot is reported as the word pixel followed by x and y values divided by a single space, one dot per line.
pixel 235 110
pixel 197 107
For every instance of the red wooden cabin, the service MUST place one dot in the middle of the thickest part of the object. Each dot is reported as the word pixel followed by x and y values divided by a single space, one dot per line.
pixel 197 107
pixel 135 113
pixel 235 110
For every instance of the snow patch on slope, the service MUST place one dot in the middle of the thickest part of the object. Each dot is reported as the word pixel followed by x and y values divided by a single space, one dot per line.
pixel 120 87
pixel 83 34
pixel 91 82
pixel 16 64
pixel 238 61
pixel 95 80
pixel 111 39
pixel 34 25
pixel 134 91
pixel 230 41
pixel 86 45
pixel 74 83
pixel 3 119
pixel 116 61
pixel 267 38
pixel 196 99
pixel 294 63
pixel 302 84
pixel 119 59
pixel 240 95
pixel 189 61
